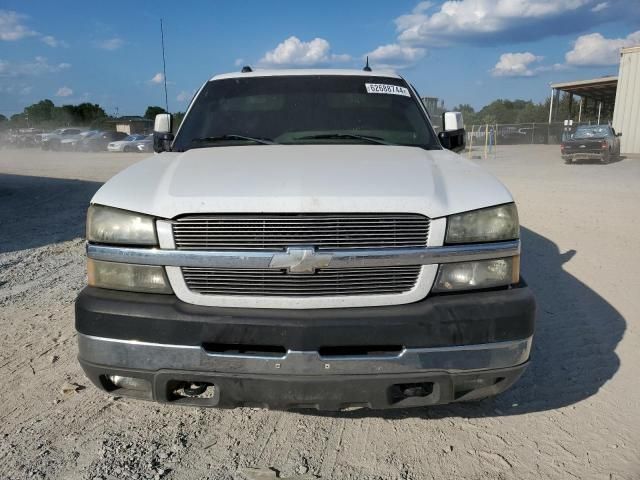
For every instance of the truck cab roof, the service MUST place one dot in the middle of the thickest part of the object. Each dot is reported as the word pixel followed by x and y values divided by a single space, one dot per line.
pixel 306 71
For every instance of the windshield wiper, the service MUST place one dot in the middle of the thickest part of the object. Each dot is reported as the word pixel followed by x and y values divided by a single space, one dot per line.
pixel 330 136
pixel 233 136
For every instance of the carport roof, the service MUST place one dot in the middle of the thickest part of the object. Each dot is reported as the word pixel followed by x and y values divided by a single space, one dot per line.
pixel 602 89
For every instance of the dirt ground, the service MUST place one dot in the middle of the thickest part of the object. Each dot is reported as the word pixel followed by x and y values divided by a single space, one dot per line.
pixel 574 414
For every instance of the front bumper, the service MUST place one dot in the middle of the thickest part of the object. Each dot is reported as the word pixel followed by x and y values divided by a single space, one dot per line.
pixel 584 155
pixel 442 349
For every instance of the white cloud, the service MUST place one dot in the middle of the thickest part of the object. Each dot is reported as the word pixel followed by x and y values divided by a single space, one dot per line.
pixel 158 78
pixel 239 62
pixel 38 66
pixel 12 27
pixel 294 52
pixel 516 65
pixel 64 92
pixel 601 6
pixel 53 41
pixel 469 20
pixel 395 56
pixel 110 44
pixel 596 50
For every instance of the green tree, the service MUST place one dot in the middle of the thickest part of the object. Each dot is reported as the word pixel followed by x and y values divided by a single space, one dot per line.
pixel 4 122
pixel 40 112
pixel 177 120
pixel 18 120
pixel 84 113
pixel 152 111
pixel 468 113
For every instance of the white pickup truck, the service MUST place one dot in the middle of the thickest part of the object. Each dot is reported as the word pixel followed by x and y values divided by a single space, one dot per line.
pixel 304 241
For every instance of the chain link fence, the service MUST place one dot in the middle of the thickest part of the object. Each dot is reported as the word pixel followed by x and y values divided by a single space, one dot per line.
pixel 518 133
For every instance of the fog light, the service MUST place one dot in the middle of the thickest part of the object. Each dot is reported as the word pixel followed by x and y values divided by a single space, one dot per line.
pixel 130 383
pixel 127 276
pixel 475 275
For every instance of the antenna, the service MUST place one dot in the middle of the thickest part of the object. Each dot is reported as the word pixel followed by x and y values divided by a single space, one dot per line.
pixel 367 68
pixel 164 69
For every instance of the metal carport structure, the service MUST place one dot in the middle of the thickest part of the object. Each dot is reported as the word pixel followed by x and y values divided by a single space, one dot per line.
pixel 602 91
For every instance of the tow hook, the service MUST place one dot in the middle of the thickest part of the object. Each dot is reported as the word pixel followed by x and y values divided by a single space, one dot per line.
pixel 194 389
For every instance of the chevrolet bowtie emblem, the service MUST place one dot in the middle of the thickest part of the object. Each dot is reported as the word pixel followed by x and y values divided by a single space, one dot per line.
pixel 300 260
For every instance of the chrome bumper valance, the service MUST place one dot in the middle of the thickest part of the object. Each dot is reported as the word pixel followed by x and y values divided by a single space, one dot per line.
pixel 304 259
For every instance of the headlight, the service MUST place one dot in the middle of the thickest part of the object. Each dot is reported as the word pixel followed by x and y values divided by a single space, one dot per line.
pixel 476 275
pixel 486 225
pixel 111 225
pixel 127 276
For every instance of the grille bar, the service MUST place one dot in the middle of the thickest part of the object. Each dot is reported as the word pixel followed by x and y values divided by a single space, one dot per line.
pixel 325 282
pixel 279 231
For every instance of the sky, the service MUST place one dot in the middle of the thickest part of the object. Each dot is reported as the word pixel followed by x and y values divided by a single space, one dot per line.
pixel 466 51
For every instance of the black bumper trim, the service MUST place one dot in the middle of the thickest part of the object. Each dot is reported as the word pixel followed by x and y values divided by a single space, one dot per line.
pixel 315 392
pixel 437 321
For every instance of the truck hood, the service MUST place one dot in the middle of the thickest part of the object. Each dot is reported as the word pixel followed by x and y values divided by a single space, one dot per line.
pixel 303 178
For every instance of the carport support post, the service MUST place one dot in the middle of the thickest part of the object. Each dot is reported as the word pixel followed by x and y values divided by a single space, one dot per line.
pixel 599 110
pixel 580 111
pixel 570 105
pixel 553 91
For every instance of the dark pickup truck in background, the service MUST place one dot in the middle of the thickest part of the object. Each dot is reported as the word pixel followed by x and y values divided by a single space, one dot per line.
pixel 599 142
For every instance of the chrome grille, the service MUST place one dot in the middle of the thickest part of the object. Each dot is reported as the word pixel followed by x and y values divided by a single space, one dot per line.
pixel 279 231
pixel 325 282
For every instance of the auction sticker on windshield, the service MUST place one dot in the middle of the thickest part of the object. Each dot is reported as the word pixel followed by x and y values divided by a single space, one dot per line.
pixel 388 89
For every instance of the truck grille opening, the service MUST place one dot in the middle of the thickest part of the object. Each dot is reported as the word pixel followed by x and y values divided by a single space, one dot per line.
pixel 324 282
pixel 237 349
pixel 279 231
pixel 361 351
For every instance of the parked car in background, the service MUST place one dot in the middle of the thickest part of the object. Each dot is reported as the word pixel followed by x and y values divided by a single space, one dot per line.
pixel 52 141
pixel 99 142
pixel 72 142
pixel 23 138
pixel 511 135
pixel 145 145
pixel 599 142
pixel 126 144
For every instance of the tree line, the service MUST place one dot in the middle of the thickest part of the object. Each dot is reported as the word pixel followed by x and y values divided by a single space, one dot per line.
pixel 526 111
pixel 45 115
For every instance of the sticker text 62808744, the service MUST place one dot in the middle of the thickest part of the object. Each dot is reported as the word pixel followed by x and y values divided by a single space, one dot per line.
pixel 386 88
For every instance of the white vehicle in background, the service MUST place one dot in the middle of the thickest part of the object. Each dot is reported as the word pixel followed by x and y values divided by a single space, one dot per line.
pixel 305 240
pixel 144 146
pixel 127 144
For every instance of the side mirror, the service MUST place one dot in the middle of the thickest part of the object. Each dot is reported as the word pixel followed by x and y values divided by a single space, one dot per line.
pixel 452 121
pixel 162 136
pixel 453 136
pixel 163 123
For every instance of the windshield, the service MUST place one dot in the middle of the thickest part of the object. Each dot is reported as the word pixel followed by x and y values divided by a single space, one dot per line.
pixel 596 131
pixel 323 109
